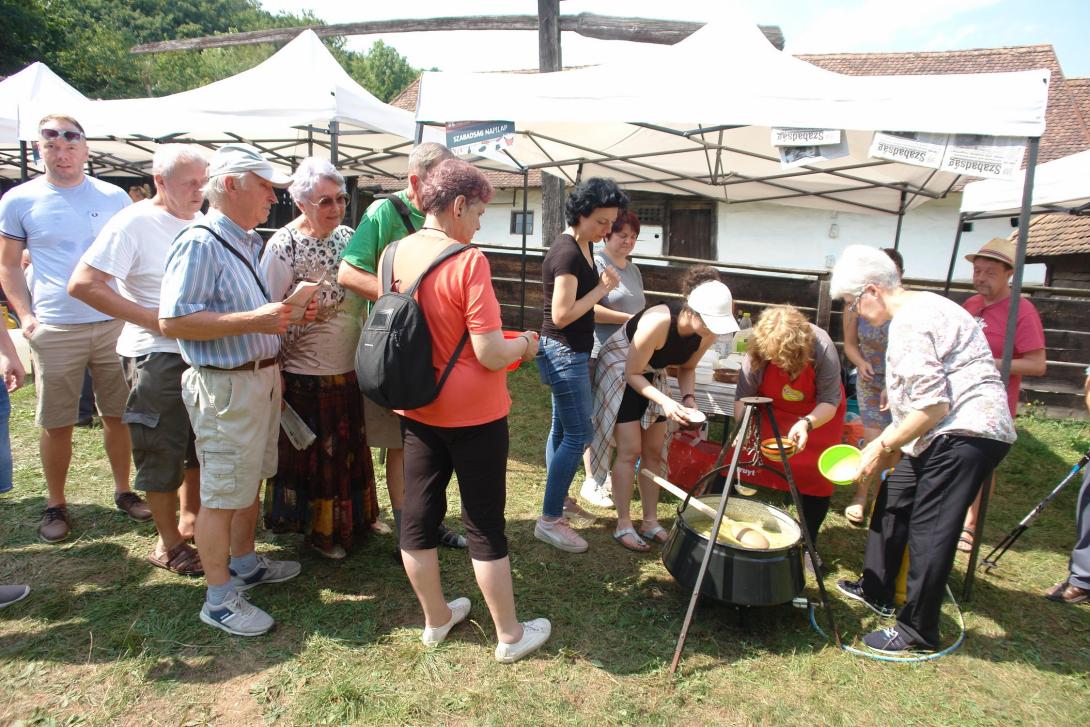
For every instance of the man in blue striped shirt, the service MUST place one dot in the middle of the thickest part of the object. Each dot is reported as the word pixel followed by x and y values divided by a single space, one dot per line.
pixel 215 302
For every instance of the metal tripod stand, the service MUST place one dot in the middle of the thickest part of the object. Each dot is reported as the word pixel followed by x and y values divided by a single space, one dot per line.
pixel 748 427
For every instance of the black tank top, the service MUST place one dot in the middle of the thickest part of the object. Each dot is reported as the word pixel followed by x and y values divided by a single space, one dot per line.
pixel 678 348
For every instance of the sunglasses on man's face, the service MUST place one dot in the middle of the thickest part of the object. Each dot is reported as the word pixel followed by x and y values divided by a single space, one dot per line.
pixel 326 203
pixel 53 134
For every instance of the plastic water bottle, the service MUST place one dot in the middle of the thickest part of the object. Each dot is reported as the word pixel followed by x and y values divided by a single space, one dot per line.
pixel 745 330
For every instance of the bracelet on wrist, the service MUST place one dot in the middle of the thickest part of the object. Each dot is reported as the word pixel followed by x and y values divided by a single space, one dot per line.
pixel 688 396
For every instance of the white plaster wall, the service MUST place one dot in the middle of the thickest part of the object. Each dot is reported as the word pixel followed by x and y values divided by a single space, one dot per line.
pixel 767 234
pixel 496 221
pixel 778 235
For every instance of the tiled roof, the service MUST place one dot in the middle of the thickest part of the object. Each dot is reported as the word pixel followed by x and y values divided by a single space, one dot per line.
pixel 1051 235
pixel 1080 90
pixel 1066 130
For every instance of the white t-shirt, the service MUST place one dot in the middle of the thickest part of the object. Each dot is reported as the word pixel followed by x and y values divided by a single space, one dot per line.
pixel 133 248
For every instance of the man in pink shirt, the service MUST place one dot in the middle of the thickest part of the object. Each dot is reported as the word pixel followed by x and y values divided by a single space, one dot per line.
pixel 993 266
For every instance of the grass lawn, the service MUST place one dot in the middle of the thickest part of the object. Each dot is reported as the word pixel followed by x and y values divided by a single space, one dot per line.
pixel 105 638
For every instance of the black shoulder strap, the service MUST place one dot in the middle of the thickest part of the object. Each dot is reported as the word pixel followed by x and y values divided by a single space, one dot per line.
pixel 239 255
pixel 403 210
pixel 386 274
pixel 387 283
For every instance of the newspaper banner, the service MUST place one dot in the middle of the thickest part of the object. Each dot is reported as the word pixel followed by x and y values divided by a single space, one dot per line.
pixel 475 138
pixel 990 157
pixel 921 149
pixel 797 156
pixel 972 155
pixel 805 137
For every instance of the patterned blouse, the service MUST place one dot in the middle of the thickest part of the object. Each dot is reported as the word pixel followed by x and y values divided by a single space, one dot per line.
pixel 937 354
pixel 327 345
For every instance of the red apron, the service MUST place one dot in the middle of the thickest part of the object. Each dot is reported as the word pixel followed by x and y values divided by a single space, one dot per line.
pixel 792 400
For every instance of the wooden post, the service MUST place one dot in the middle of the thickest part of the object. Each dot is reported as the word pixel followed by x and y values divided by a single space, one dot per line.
pixel 824 303
pixel 549 59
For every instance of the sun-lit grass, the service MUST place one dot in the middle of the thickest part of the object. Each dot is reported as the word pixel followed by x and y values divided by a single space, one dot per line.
pixel 107 639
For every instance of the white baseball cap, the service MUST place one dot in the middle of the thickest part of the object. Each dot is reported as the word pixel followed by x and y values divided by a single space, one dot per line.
pixel 239 158
pixel 713 301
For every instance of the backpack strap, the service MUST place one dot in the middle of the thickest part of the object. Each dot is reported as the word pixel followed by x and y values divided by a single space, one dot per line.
pixel 403 211
pixel 237 254
pixel 387 281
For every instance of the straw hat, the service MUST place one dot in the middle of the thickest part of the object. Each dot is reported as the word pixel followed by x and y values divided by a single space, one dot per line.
pixel 996 248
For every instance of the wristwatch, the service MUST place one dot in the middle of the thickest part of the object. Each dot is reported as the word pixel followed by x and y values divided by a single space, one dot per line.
pixel 887 450
pixel 809 422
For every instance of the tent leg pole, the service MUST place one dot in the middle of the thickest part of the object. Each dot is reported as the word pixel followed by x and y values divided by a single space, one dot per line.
pixel 24 170
pixel 954 255
pixel 900 220
pixel 334 132
pixel 525 215
pixel 1008 342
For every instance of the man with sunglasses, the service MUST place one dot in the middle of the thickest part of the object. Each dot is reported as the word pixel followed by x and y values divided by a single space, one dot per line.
pixel 385 221
pixel 55 217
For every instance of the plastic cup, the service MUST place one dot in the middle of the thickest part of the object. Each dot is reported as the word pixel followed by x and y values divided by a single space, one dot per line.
pixel 510 335
pixel 840 464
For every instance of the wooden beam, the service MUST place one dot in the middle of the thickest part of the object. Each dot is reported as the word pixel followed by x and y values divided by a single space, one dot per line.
pixel 604 27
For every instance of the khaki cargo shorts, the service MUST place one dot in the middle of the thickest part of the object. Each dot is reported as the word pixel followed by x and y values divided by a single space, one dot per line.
pixel 236 420
pixel 61 353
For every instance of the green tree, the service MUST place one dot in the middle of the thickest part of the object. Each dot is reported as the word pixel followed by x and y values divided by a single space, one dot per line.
pixel 382 70
pixel 87 43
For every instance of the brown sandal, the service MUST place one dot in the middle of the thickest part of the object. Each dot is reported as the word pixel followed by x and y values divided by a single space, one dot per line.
pixel 182 559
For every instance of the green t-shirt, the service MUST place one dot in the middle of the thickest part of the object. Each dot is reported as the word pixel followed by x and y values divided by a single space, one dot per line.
pixel 381 224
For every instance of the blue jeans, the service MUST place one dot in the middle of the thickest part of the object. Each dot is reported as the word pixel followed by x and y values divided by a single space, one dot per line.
pixel 566 372
pixel 5 440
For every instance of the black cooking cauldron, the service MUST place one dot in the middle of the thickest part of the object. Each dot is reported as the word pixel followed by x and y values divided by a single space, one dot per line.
pixel 736 574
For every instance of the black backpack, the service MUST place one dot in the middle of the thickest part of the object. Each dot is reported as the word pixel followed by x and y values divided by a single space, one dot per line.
pixel 393 359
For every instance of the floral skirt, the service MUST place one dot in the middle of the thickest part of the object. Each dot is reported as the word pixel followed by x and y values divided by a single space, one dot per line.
pixel 326 491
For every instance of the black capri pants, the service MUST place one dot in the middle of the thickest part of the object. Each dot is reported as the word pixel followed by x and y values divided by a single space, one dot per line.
pixel 478 456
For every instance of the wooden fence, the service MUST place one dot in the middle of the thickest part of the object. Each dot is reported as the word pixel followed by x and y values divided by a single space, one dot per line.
pixel 1064 312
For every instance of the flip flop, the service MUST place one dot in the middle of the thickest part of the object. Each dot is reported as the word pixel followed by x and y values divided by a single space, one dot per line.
pixel 965 542
pixel 182 559
pixel 639 547
pixel 654 533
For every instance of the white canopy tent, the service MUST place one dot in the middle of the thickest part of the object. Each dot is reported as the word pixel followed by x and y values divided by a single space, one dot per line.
pixel 1062 185
pixel 695 118
pixel 296 103
pixel 36 81
pixel 1059 186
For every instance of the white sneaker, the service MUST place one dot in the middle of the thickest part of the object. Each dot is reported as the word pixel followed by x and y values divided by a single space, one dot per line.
pixel 595 494
pixel 236 615
pixel 459 609
pixel 267 571
pixel 534 634
pixel 559 534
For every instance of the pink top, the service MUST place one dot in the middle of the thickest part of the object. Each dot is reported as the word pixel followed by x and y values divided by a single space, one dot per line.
pixel 455 296
pixel 1029 334
pixel 937 354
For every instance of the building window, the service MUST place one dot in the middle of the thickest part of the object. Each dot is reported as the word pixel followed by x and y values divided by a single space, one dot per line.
pixel 517 222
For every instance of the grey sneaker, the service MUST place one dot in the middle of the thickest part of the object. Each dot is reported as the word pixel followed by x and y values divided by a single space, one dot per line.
pixel 854 590
pixel 534 634
pixel 559 534
pixel 12 594
pixel 236 615
pixel 267 571
pixel 459 609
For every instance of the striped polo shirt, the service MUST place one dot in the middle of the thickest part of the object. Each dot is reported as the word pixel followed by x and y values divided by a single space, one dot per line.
pixel 201 275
